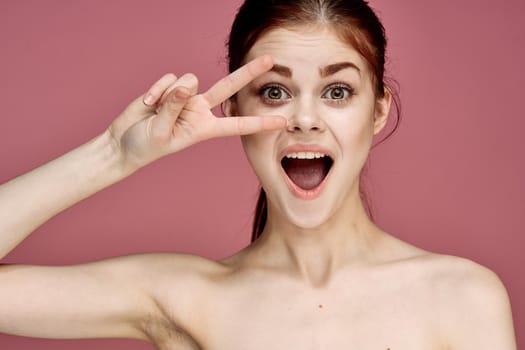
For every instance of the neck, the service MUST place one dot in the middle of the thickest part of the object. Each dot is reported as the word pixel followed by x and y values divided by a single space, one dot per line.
pixel 316 253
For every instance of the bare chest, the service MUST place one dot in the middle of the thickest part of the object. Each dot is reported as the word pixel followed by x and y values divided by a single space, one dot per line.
pixel 309 323
pixel 375 309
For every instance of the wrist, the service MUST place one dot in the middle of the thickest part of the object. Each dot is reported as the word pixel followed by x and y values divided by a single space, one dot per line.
pixel 107 161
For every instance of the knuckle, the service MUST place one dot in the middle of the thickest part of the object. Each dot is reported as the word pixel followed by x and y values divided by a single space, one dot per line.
pixel 172 99
pixel 174 104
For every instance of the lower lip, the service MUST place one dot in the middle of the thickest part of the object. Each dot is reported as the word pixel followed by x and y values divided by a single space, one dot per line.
pixel 301 192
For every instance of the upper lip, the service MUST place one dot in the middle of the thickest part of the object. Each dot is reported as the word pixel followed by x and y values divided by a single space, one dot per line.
pixel 304 148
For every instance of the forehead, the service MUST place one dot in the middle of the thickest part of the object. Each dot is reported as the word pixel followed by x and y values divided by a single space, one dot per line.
pixel 306 47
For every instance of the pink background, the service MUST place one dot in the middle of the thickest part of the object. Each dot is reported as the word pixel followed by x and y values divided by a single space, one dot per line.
pixel 450 180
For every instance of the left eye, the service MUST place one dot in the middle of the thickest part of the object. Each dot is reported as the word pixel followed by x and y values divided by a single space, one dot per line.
pixel 337 93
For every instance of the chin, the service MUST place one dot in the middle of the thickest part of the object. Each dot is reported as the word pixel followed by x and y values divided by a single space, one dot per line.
pixel 307 215
pixel 310 223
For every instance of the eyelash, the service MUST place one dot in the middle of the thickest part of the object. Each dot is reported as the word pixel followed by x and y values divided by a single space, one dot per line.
pixel 263 93
pixel 347 90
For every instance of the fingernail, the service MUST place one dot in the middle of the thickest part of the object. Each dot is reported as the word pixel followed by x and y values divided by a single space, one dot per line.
pixel 148 99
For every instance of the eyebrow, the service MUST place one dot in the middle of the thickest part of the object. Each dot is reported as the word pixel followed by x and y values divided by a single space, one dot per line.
pixel 336 67
pixel 331 69
pixel 281 70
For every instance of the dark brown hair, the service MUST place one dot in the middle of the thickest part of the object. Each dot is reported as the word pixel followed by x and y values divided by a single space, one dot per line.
pixel 353 20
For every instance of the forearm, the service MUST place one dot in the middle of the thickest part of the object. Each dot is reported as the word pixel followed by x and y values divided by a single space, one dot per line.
pixel 31 199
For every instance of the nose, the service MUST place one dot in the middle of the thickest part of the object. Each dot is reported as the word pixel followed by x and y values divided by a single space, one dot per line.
pixel 305 118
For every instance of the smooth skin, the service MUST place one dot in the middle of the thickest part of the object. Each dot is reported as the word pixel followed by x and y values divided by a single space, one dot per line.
pixel 322 276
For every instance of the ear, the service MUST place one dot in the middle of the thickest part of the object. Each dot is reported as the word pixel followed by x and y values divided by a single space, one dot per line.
pixel 229 107
pixel 382 111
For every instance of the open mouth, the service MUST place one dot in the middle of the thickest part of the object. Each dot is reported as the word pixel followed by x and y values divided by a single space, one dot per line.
pixel 307 170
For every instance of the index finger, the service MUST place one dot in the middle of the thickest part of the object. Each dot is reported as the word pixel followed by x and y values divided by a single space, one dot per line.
pixel 229 85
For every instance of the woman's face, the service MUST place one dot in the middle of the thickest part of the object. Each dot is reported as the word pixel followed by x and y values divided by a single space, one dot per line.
pixel 324 88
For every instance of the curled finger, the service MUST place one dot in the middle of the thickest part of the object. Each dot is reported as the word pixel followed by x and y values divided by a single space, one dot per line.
pixel 189 80
pixel 157 90
pixel 163 123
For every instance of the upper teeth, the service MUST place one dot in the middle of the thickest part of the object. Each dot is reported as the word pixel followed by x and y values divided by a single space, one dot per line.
pixel 305 155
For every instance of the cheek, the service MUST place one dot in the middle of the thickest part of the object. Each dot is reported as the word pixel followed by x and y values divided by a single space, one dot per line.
pixel 354 130
pixel 249 103
pixel 259 147
pixel 245 103
pixel 249 144
pixel 362 134
pixel 257 150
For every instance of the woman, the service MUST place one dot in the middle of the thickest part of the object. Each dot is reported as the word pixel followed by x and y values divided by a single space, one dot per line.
pixel 307 94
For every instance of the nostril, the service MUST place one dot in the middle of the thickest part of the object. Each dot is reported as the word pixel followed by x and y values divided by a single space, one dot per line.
pixel 305 123
pixel 313 128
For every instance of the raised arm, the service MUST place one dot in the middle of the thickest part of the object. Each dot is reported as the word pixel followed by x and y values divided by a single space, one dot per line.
pixel 111 297
pixel 169 117
pixel 103 299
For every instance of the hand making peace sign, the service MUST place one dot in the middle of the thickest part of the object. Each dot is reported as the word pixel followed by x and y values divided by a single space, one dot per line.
pixel 172 115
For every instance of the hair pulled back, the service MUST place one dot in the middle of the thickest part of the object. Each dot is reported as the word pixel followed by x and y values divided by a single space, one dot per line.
pixel 352 20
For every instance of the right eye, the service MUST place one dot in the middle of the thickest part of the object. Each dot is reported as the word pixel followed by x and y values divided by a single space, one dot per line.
pixel 273 93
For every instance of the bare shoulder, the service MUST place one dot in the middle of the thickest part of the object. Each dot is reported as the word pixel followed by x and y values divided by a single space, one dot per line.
pixel 175 273
pixel 178 284
pixel 465 304
pixel 167 264
pixel 471 300
pixel 445 274
pixel 456 278
pixel 159 268
pixel 449 269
